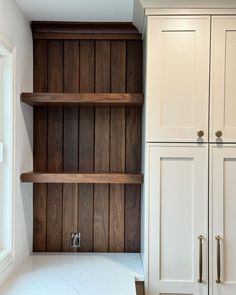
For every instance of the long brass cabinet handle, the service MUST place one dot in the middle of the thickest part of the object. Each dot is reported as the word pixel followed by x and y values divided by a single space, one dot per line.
pixel 200 238
pixel 218 281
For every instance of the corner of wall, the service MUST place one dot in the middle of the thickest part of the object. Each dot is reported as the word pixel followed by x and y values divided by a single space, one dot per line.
pixel 16 27
pixel 138 15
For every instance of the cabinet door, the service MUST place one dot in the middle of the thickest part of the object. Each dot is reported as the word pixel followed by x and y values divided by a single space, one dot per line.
pixel 177 91
pixel 178 215
pixel 223 79
pixel 223 204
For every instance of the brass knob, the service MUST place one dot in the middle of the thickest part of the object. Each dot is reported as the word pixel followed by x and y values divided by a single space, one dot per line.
pixel 218 133
pixel 200 133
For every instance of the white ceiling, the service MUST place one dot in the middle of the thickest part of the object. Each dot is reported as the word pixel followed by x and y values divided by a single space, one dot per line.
pixel 78 10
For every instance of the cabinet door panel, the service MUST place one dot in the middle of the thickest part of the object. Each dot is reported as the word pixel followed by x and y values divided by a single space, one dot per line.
pixel 177 78
pixel 223 79
pixel 178 215
pixel 223 202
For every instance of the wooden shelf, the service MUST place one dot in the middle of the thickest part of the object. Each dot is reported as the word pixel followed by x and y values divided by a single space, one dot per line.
pixel 83 99
pixel 39 177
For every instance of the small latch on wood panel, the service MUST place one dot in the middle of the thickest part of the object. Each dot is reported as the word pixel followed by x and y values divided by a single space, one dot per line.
pixel 75 240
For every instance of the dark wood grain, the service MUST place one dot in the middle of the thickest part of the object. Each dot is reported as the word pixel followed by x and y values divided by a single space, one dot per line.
pixel 82 99
pixel 102 141
pixel 55 127
pixel 86 143
pixel 84 36
pixel 117 147
pixel 140 288
pixel 70 30
pixel 39 217
pixel 84 27
pixel 87 66
pixel 133 149
pixel 40 177
pixel 40 190
pixel 71 66
pixel 40 148
pixel 40 65
pixel 86 164
pixel 101 192
pixel 87 121
pixel 70 145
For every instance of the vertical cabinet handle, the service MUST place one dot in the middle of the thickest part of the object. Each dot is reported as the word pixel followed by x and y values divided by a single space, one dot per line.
pixel 200 238
pixel 218 259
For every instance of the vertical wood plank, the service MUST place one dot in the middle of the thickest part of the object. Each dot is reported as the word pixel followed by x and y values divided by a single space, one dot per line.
pixel 133 148
pixel 86 145
pixel 140 288
pixel 40 65
pixel 40 148
pixel 55 118
pixel 117 147
pixel 102 136
pixel 70 145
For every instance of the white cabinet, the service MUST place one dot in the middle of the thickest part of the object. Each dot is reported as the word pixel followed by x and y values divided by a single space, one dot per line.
pixel 177 78
pixel 178 215
pixel 223 225
pixel 186 199
pixel 223 78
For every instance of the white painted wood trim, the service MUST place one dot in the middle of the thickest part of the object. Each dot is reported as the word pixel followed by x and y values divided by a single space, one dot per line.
pixel 1 151
pixel 143 8
pixel 206 4
pixel 185 11
pixel 7 256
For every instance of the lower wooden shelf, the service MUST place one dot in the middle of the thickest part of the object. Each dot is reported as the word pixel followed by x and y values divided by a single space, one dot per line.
pixel 39 177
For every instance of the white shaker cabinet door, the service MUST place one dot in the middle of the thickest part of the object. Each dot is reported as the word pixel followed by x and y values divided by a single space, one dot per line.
pixel 223 217
pixel 178 217
pixel 177 80
pixel 223 79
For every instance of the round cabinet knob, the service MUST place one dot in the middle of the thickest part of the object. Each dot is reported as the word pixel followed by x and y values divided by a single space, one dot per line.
pixel 218 133
pixel 200 133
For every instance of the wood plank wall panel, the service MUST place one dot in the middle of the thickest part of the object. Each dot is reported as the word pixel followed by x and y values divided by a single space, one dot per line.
pixel 102 142
pixel 55 146
pixel 40 148
pixel 87 139
pixel 70 145
pixel 117 147
pixel 86 146
pixel 133 149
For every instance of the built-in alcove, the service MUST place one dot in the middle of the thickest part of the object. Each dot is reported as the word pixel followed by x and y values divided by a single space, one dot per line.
pixel 87 137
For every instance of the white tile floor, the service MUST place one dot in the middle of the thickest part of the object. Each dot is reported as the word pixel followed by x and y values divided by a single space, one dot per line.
pixel 73 274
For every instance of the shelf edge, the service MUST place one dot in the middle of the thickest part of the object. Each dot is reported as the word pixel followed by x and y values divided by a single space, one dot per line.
pixel 102 178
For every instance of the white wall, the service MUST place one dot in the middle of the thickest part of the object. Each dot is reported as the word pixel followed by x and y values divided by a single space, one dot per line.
pixel 75 10
pixel 16 28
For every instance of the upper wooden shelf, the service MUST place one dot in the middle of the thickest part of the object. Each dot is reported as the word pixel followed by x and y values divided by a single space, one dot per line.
pixel 83 99
pixel 40 177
